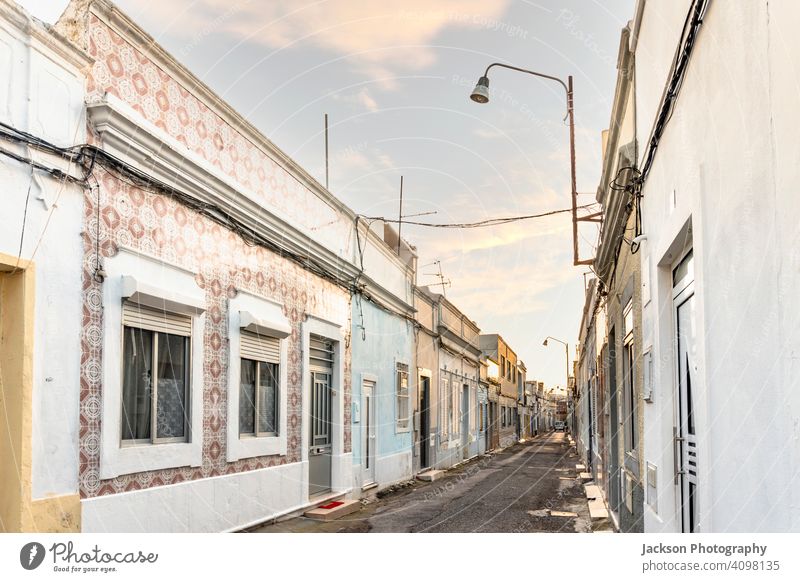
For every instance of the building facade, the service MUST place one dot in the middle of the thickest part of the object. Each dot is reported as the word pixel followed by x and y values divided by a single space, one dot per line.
pixel 496 349
pixel 455 408
pixel 720 268
pixel 383 357
pixel 40 282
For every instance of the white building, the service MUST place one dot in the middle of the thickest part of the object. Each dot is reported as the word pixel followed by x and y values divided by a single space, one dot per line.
pixel 41 249
pixel 177 321
pixel 721 268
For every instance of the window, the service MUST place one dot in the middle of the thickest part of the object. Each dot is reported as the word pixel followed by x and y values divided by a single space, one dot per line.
pixel 257 378
pixel 259 385
pixel 629 383
pixel 155 375
pixel 402 396
pixel 444 398
pixel 152 370
pixel 502 366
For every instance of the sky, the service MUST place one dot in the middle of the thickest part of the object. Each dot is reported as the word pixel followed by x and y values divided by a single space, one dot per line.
pixel 394 78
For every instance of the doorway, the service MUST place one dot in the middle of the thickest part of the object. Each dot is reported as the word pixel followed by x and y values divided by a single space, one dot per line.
pixel 465 422
pixel 368 433
pixel 424 421
pixel 614 477
pixel 321 438
pixel 686 433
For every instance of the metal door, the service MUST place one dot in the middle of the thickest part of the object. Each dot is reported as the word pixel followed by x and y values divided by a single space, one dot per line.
pixel 686 456
pixel 368 433
pixel 465 421
pixel 320 444
pixel 424 422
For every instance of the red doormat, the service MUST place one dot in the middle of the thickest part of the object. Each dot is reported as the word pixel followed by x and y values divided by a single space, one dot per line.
pixel 332 505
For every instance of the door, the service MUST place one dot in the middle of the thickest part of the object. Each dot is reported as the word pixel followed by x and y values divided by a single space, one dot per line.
pixel 485 425
pixel 320 444
pixel 465 422
pixel 368 433
pixel 614 477
pixel 424 422
pixel 495 426
pixel 686 433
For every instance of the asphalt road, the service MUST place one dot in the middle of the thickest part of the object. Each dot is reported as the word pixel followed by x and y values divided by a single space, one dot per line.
pixel 515 490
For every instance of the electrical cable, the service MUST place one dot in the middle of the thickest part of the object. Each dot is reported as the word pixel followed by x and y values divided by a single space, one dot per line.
pixel 482 223
pixel 24 221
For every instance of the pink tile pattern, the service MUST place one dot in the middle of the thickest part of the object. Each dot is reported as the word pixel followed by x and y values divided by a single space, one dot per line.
pixel 159 226
pixel 122 70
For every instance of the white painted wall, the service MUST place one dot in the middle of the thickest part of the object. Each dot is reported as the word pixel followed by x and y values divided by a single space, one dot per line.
pixel 728 162
pixel 224 503
pixel 46 98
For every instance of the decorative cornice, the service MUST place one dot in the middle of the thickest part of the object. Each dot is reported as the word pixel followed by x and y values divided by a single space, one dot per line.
pixel 616 156
pixel 132 138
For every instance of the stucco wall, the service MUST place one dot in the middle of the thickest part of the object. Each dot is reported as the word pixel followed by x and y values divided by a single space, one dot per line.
pixel 727 162
pixel 379 341
pixel 44 96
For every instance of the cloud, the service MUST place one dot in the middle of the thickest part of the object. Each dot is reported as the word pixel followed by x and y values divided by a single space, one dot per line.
pixel 381 38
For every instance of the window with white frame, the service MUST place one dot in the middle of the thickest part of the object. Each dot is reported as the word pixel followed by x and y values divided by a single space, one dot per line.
pixel 156 364
pixel 152 406
pixel 628 362
pixel 259 385
pixel 257 377
pixel 403 402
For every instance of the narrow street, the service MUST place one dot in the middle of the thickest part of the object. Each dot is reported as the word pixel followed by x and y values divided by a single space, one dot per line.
pixel 513 491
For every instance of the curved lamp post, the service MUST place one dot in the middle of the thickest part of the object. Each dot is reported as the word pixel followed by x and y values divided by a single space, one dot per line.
pixel 480 94
pixel 569 393
pixel 566 350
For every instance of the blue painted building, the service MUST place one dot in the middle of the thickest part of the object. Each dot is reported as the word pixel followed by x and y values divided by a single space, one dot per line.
pixel 383 363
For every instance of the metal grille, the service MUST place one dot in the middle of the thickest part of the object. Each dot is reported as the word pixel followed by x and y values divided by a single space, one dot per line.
pixel 320 409
pixel 135 315
pixel 260 348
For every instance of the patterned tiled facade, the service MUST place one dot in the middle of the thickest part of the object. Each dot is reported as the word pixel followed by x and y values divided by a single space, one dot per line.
pixel 159 226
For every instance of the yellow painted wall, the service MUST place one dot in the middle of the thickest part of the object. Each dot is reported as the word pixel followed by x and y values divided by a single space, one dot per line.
pixel 18 512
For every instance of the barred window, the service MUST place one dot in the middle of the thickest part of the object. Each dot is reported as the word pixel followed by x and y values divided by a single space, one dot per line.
pixel 403 401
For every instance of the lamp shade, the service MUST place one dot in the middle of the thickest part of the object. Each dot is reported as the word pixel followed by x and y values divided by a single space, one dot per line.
pixel 480 94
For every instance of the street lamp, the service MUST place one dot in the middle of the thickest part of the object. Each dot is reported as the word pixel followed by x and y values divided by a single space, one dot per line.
pixel 480 94
pixel 566 350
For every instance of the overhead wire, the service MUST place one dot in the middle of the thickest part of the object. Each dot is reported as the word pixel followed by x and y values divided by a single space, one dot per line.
pixel 482 223
pixel 89 157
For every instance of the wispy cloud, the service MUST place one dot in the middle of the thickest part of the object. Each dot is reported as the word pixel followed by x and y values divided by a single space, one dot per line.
pixel 380 38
